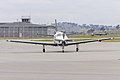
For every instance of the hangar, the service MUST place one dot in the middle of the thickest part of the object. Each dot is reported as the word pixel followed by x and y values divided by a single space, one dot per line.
pixel 25 29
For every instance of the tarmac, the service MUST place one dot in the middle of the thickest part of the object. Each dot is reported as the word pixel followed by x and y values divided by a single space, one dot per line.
pixel 94 61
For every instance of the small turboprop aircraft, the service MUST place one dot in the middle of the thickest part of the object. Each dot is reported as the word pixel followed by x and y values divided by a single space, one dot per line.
pixel 61 39
pixel 99 34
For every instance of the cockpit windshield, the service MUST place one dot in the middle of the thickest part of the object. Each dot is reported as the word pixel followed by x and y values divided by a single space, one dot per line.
pixel 59 34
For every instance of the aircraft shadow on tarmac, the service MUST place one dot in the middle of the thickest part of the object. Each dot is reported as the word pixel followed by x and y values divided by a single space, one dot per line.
pixel 68 52
pixel 100 51
pixel 82 51
pixel 47 52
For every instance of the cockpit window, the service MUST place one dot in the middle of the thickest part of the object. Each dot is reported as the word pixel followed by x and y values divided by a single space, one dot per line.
pixel 58 34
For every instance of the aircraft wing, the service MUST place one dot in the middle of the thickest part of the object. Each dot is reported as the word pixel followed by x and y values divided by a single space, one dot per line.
pixel 88 41
pixel 31 42
pixel 67 44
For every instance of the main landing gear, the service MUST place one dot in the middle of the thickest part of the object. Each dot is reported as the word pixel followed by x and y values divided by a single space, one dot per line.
pixel 43 48
pixel 77 48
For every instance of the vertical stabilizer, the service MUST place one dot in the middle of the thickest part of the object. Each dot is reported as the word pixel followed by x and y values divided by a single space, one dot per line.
pixel 56 25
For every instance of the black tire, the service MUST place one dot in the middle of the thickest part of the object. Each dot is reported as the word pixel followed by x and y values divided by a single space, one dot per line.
pixel 43 50
pixel 77 49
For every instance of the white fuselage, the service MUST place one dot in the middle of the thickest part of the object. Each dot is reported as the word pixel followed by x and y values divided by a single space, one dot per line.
pixel 59 37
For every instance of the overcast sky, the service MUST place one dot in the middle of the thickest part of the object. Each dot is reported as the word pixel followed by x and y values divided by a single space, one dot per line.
pixel 78 11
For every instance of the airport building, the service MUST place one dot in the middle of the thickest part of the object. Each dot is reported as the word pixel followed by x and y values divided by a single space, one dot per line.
pixel 25 28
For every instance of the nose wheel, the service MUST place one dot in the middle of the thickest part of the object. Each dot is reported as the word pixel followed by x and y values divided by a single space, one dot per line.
pixel 43 50
pixel 63 49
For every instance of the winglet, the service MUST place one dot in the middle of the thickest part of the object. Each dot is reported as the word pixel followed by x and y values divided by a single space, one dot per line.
pixel 100 40
pixel 8 40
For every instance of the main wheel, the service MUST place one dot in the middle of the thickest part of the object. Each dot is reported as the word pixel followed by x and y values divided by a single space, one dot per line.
pixel 77 49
